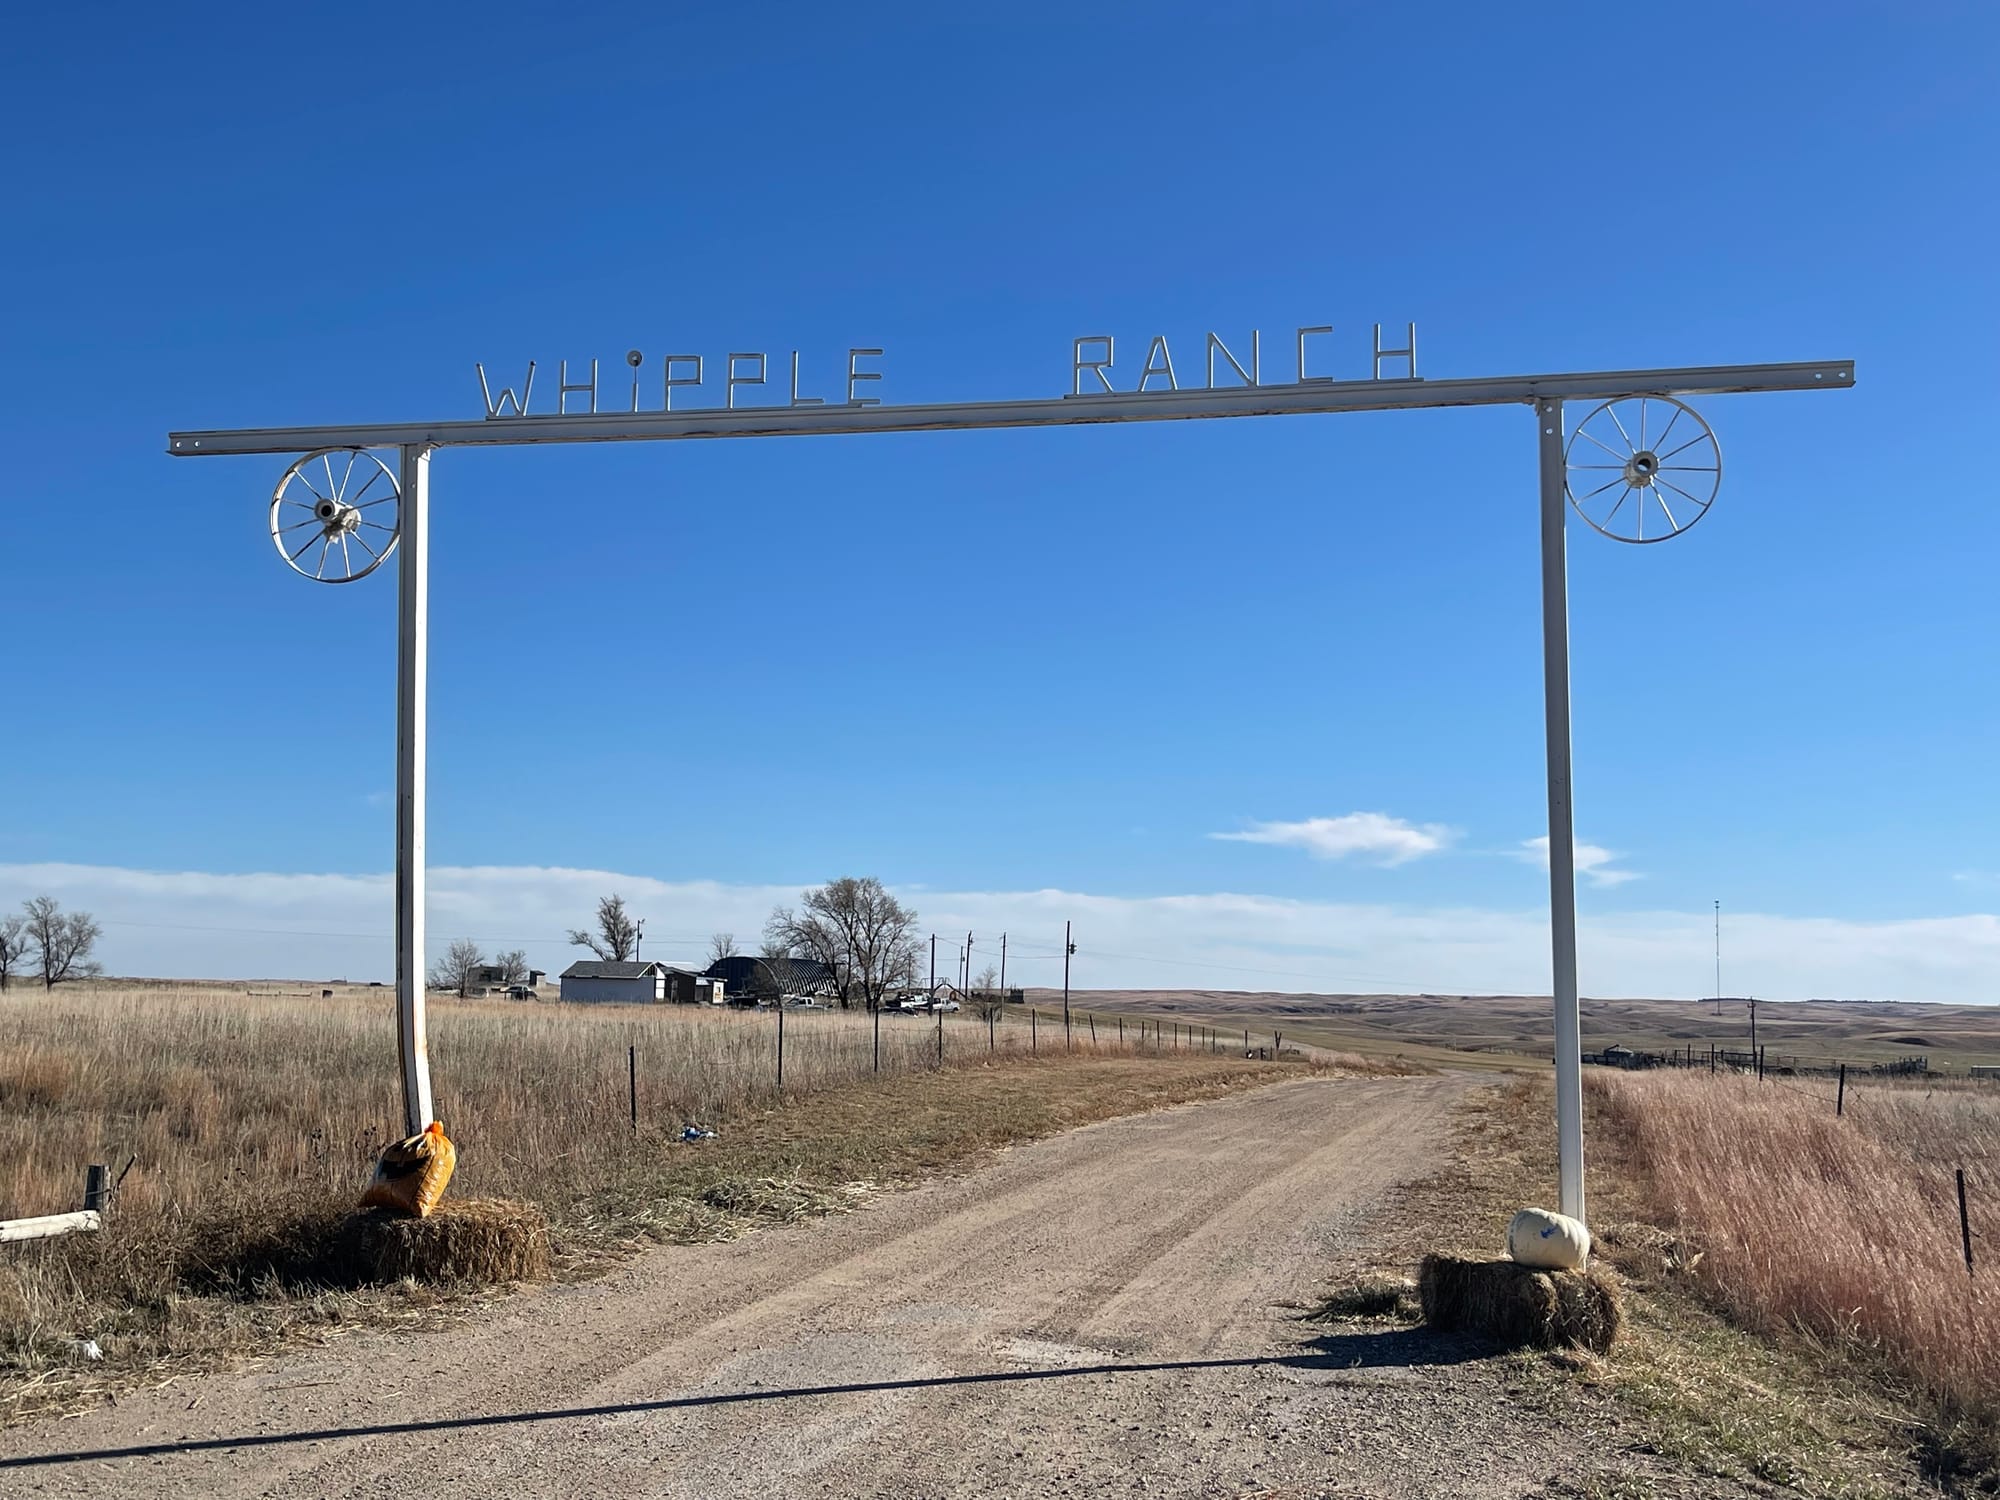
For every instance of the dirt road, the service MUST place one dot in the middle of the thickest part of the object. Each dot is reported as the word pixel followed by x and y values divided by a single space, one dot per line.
pixel 1109 1312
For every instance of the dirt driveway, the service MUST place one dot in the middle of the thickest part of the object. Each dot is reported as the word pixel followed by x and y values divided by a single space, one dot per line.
pixel 1109 1312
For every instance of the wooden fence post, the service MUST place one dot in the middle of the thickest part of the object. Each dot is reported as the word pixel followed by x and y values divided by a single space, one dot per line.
pixel 878 1036
pixel 1840 1099
pixel 781 1044
pixel 1093 1029
pixel 96 1194
pixel 632 1081
pixel 1034 1032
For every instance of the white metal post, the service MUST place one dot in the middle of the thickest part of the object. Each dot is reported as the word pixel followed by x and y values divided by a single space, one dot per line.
pixel 412 686
pixel 1562 830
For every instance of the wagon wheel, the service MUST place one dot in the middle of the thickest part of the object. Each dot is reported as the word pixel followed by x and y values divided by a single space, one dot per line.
pixel 326 518
pixel 1643 468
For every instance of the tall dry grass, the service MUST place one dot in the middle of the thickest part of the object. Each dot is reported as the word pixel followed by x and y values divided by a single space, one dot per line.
pixel 1846 1228
pixel 251 1122
pixel 212 1090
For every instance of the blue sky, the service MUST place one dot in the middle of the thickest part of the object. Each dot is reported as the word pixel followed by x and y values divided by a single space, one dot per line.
pixel 986 665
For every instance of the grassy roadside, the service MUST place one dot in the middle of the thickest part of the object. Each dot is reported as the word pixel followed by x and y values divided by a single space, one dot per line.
pixel 1774 1415
pixel 156 1315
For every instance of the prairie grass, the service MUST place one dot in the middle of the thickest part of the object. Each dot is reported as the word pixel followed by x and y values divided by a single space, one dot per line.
pixel 1845 1229
pixel 208 1090
pixel 251 1122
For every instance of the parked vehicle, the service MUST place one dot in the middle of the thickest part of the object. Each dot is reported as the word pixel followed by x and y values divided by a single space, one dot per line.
pixel 520 992
pixel 946 1003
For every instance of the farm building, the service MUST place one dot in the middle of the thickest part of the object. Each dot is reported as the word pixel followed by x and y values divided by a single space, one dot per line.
pixel 686 987
pixel 637 982
pixel 491 979
pixel 748 976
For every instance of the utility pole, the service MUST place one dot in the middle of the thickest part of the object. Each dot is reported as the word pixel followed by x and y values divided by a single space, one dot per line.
pixel 638 936
pixel 966 986
pixel 1068 949
pixel 933 988
pixel 1003 964
pixel 1753 1025
pixel 1718 956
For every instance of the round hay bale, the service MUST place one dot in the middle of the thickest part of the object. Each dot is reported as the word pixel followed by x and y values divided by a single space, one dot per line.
pixel 1521 1306
pixel 483 1240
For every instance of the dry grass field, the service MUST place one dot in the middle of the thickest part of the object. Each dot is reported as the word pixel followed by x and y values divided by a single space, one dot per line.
pixel 252 1119
pixel 207 1087
pixel 1843 1229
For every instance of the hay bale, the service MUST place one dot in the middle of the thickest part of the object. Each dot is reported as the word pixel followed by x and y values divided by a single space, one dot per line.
pixel 482 1240
pixel 1521 1306
pixel 1370 1297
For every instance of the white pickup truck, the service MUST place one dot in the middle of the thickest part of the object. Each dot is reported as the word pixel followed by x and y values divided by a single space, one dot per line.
pixel 917 1005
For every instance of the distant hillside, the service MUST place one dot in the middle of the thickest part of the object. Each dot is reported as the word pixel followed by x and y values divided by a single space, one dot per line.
pixel 1521 1026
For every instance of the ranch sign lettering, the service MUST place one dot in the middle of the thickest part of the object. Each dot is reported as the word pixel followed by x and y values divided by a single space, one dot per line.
pixel 1093 359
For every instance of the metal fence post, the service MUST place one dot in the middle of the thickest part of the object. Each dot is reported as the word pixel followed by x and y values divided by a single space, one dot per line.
pixel 781 1044
pixel 1964 1222
pixel 96 1193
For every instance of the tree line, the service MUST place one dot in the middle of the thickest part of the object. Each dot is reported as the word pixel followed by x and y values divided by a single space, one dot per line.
pixel 46 941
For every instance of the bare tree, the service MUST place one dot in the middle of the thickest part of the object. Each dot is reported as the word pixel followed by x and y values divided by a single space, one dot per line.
pixel 60 941
pixel 455 970
pixel 617 935
pixel 513 966
pixel 13 948
pixel 858 930
pixel 986 997
pixel 722 945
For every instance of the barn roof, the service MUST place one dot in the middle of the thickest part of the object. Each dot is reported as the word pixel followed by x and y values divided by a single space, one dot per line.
pixel 795 976
pixel 608 968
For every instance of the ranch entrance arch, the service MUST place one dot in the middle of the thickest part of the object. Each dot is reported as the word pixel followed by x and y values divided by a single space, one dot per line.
pixel 328 521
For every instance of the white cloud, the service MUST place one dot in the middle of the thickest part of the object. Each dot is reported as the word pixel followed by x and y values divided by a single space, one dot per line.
pixel 1392 841
pixel 1593 861
pixel 198 925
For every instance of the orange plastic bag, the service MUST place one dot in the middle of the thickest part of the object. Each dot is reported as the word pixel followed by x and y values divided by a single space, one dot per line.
pixel 411 1175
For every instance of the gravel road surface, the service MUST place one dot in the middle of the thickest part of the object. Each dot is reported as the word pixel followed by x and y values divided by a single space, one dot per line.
pixel 1110 1312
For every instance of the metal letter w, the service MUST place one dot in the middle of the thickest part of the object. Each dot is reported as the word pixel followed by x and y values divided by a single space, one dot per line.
pixel 507 398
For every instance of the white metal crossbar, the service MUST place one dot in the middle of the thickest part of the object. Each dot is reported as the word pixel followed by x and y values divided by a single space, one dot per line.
pixel 1307 398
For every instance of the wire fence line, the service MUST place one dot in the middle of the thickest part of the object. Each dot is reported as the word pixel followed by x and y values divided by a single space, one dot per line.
pixel 681 1064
